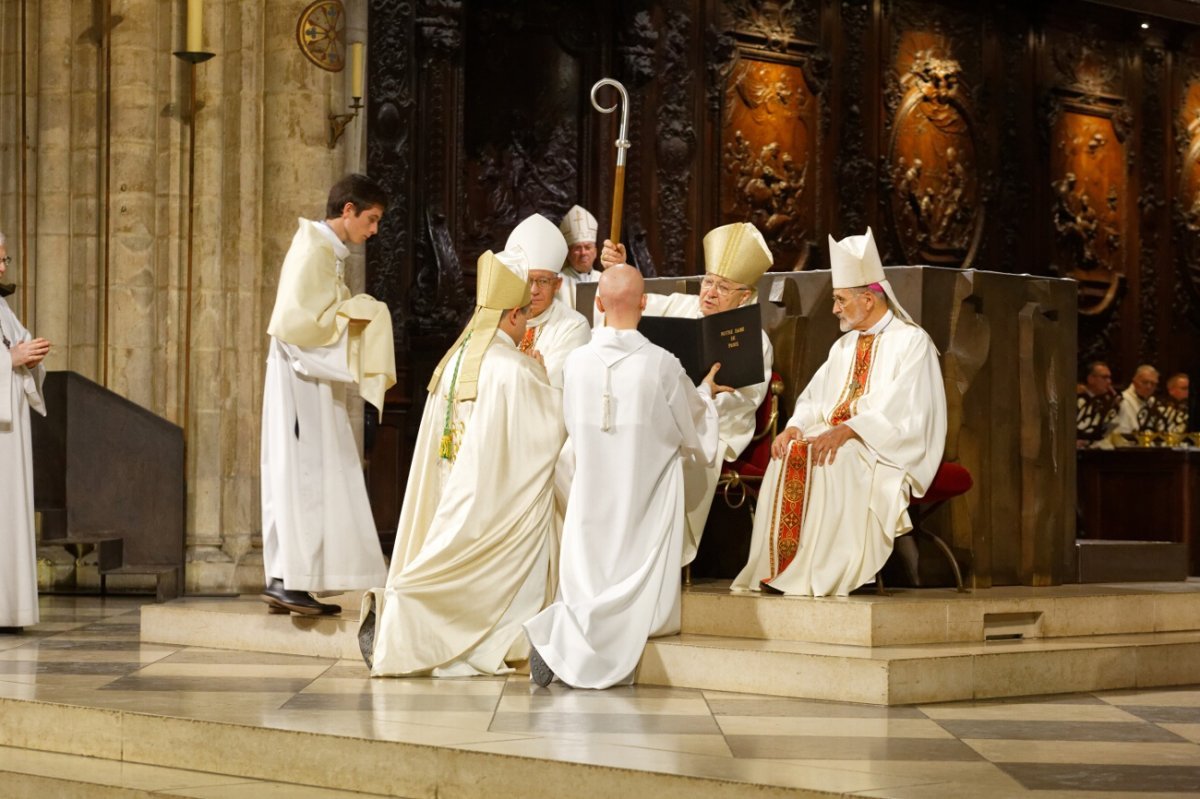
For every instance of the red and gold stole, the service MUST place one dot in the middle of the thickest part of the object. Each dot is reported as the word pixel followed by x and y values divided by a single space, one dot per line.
pixel 792 490
pixel 530 337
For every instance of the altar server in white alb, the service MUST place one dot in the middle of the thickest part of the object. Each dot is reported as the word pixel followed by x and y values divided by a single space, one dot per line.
pixel 633 418
pixel 476 534
pixel 578 227
pixel 21 375
pixel 318 531
pixel 554 328
pixel 867 435
pixel 735 257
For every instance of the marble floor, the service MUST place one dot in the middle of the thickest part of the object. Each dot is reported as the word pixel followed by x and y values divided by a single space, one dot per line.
pixel 86 653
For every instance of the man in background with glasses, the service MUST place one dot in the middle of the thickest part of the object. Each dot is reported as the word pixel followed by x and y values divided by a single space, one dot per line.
pixel 21 375
pixel 735 257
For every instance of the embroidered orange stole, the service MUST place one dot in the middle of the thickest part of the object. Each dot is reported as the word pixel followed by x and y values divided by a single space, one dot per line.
pixel 792 489
pixel 529 338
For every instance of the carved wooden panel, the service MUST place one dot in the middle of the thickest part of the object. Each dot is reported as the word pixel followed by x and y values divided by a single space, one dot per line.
pixel 1188 203
pixel 935 197
pixel 769 154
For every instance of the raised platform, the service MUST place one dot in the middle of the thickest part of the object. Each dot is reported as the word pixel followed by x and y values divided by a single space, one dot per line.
pixel 915 646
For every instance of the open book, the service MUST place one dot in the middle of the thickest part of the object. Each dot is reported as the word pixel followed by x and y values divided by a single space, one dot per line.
pixel 732 337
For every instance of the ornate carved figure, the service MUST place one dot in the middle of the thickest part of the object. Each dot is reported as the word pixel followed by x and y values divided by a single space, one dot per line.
pixel 935 193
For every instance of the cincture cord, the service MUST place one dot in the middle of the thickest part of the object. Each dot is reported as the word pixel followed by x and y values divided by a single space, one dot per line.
pixel 446 449
pixel 606 415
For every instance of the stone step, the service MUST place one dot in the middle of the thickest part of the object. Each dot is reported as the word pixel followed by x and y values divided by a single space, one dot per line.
pixel 942 615
pixel 902 675
pixel 369 766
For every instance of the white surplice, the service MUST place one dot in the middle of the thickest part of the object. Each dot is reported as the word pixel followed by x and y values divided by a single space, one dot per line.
pixel 554 333
pixel 854 508
pixel 20 390
pixel 474 542
pixel 736 410
pixel 1127 411
pixel 633 418
pixel 318 530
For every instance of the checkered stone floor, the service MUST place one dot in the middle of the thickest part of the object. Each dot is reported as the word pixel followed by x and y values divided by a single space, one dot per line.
pixel 86 652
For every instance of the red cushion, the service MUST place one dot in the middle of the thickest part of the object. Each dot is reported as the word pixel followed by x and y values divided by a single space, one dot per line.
pixel 753 460
pixel 951 480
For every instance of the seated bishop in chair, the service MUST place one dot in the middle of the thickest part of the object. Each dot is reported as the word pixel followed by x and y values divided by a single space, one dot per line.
pixel 867 435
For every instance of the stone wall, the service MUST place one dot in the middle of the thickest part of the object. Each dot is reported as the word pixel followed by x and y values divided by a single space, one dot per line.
pixel 102 249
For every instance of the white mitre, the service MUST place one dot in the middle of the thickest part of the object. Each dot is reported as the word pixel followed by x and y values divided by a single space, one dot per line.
pixel 578 225
pixel 855 262
pixel 536 243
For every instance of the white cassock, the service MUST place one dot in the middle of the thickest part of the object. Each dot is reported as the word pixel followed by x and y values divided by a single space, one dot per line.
pixel 20 390
pixel 736 410
pixel 634 418
pixel 554 333
pixel 318 530
pixel 826 530
pixel 473 547
pixel 571 279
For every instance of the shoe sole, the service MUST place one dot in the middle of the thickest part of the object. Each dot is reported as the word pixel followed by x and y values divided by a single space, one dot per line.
pixel 275 605
pixel 541 673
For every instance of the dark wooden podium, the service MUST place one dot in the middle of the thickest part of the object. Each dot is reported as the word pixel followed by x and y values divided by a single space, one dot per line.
pixel 1142 494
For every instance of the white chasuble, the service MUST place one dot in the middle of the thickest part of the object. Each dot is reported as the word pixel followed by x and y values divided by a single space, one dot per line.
pixel 318 530
pixel 571 279
pixel 634 419
pixel 476 534
pixel 20 390
pixel 826 530
pixel 554 333
pixel 736 411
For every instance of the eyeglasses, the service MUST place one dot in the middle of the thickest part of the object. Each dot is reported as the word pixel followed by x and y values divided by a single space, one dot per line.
pixel 722 289
pixel 543 282
pixel 6 260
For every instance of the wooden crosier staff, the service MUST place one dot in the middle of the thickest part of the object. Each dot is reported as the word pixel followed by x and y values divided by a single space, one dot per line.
pixel 622 144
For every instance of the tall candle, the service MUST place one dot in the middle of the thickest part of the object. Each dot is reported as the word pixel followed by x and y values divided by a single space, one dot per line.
pixel 356 69
pixel 195 26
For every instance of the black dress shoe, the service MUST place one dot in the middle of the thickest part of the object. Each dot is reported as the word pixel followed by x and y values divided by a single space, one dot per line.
pixel 11 630
pixel 539 673
pixel 329 609
pixel 276 597
pixel 767 588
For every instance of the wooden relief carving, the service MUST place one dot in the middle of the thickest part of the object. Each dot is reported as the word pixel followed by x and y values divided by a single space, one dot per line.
pixel 1189 189
pixel 935 194
pixel 769 155
pixel 1088 165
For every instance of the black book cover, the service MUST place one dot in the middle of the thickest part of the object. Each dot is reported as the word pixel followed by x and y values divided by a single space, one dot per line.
pixel 732 337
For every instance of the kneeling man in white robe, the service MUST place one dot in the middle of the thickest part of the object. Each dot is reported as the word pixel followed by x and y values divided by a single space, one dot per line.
pixel 866 436
pixel 476 533
pixel 633 418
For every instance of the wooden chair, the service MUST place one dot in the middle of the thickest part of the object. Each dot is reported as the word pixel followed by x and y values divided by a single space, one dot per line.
pixel 740 479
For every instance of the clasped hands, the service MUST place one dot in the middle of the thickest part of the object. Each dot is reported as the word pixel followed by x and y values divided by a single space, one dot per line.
pixel 29 353
pixel 821 449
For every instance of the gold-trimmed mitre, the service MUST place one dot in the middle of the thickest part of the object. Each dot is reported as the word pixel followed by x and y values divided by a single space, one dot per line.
pixel 501 284
pixel 854 262
pixel 536 243
pixel 578 225
pixel 737 252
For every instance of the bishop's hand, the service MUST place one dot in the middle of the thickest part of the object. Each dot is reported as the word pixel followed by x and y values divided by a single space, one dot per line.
pixel 823 448
pixel 780 445
pixel 612 254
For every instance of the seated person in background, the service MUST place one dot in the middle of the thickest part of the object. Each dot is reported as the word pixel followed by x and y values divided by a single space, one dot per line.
pixel 476 533
pixel 1175 408
pixel 578 227
pixel 866 436
pixel 1096 403
pixel 735 257
pixel 1136 398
